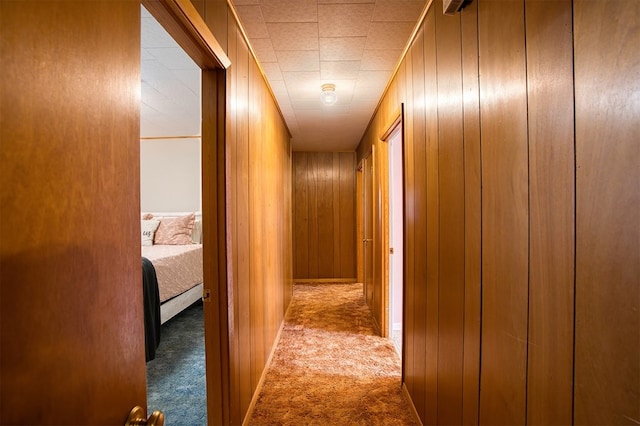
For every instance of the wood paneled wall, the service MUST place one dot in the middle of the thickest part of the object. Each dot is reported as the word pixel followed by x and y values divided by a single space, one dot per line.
pixel 70 214
pixel 324 221
pixel 607 303
pixel 258 214
pixel 259 239
pixel 521 232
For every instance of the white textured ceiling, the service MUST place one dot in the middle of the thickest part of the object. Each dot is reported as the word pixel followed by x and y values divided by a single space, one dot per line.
pixel 170 99
pixel 302 44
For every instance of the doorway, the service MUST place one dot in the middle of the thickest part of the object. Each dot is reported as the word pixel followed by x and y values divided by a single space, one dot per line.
pixel 367 221
pixel 171 189
pixel 396 237
pixel 187 27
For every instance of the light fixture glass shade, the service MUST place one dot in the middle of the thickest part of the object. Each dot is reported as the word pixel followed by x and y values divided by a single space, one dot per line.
pixel 328 95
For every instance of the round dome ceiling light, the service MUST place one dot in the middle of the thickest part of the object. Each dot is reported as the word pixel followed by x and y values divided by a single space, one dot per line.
pixel 328 95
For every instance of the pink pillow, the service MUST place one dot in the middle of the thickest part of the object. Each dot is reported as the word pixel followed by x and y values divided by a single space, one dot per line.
pixel 175 231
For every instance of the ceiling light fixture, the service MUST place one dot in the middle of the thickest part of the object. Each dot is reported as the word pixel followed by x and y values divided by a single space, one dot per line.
pixel 328 95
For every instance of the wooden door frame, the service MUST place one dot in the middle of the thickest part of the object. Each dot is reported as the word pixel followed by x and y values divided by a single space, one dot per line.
pixel 184 23
pixel 367 162
pixel 383 178
pixel 360 221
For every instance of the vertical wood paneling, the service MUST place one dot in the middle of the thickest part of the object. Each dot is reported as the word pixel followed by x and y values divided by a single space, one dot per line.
pixel 241 72
pixel 335 191
pixel 256 225
pixel 268 155
pixel 472 214
pixel 420 232
pixel 503 80
pixel 301 215
pixel 325 216
pixel 215 15
pixel 232 214
pixel 300 233
pixel 346 218
pixel 410 302
pixel 325 178
pixel 288 206
pixel 451 227
pixel 607 90
pixel 432 218
pixel 312 209
pixel 551 195
pixel 258 152
pixel 199 5
pixel 503 109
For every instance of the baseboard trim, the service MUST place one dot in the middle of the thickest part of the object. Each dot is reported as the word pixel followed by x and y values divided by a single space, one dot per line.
pixel 325 280
pixel 263 376
pixel 412 407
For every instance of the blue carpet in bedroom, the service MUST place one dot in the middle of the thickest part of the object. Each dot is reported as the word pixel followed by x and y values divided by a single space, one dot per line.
pixel 176 377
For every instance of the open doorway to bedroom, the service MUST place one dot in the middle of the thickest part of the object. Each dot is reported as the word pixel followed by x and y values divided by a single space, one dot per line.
pixel 396 237
pixel 171 209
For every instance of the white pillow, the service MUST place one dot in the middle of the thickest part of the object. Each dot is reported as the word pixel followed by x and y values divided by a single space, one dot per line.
pixel 149 228
pixel 196 234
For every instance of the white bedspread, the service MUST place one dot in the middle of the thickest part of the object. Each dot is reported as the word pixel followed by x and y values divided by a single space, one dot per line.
pixel 178 268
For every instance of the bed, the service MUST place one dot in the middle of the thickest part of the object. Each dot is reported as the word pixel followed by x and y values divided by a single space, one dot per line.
pixel 171 269
pixel 173 244
pixel 179 274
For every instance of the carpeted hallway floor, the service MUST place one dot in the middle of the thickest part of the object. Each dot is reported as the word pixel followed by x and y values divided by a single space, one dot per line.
pixel 329 367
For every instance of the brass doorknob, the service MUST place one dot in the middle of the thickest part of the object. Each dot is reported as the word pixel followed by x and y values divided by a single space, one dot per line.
pixel 136 418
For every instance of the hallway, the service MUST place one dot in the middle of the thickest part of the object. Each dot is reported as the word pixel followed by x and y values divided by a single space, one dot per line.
pixel 521 205
pixel 330 367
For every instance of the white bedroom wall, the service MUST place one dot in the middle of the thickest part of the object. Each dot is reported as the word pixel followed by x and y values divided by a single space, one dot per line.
pixel 170 175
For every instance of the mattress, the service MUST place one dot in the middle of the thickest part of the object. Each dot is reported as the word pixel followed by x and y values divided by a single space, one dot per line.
pixel 178 268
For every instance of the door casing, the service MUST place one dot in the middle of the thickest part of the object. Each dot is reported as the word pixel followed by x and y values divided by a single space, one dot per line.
pixel 183 22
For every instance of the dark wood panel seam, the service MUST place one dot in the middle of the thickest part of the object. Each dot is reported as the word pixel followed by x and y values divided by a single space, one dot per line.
pixel 466 209
pixel 480 171
pixel 464 217
pixel 404 251
pixel 526 81
pixel 437 144
pixel 575 217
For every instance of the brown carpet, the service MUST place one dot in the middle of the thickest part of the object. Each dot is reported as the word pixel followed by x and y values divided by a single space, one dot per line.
pixel 329 367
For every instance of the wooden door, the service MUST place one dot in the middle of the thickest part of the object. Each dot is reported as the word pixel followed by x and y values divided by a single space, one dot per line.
pixel 367 241
pixel 72 332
